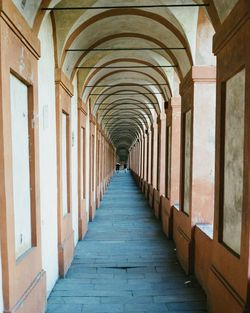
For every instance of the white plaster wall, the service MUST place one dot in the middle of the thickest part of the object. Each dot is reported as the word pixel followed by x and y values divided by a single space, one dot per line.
pixel 188 125
pixel 203 151
pixel 169 160
pixel 188 18
pixel 95 160
pixel 234 161
pixel 204 133
pixel 64 163
pixel 87 163
pixel 74 161
pixel 48 162
pixel 20 165
pixel 82 165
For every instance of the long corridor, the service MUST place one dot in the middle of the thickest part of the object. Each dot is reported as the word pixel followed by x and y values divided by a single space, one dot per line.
pixel 125 264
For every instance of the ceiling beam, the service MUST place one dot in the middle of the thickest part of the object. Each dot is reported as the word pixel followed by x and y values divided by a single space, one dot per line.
pixel 136 93
pixel 123 49
pixel 146 6
pixel 127 85
pixel 123 67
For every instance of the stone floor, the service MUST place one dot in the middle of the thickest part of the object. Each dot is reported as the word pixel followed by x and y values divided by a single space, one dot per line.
pixel 125 263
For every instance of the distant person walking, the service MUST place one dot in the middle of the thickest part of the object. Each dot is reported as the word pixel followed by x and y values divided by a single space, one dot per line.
pixel 125 167
pixel 117 167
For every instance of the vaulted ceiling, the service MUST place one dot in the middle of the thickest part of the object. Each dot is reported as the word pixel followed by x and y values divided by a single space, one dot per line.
pixel 129 59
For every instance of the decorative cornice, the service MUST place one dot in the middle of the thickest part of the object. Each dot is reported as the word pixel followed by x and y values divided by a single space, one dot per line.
pixel 82 106
pixel 92 119
pixel 175 103
pixel 63 81
pixel 198 74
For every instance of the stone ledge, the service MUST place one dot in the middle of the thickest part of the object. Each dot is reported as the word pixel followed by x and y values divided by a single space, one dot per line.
pixel 206 229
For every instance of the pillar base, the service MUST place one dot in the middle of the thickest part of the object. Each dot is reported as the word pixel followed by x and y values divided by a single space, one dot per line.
pixel 183 241
pixel 66 253
pixel 156 204
pixel 143 186
pixel 82 226
pixel 146 189
pixel 92 211
pixel 151 196
pixel 167 217
pixel 34 298
pixel 221 296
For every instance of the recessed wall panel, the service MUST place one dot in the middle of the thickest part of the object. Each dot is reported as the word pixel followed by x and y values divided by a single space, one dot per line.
pixel 65 209
pixel 187 162
pixel 21 165
pixel 169 161
pixel 234 161
pixel 82 162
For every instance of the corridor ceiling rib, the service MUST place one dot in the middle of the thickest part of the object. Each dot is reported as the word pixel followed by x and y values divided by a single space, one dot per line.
pixel 151 6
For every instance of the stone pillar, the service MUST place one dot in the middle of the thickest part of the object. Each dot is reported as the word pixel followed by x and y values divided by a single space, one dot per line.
pixel 153 170
pixel 102 165
pixel 175 150
pixel 149 174
pixel 155 155
pixel 145 187
pixel 98 166
pixel 64 92
pixel 228 280
pixel 82 213
pixel 172 164
pixel 92 199
pixel 197 160
pixel 141 160
pixel 161 158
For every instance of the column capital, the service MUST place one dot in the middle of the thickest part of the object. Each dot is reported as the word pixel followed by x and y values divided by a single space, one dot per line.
pixel 198 74
pixel 82 106
pixel 175 103
pixel 155 125
pixel 92 119
pixel 62 80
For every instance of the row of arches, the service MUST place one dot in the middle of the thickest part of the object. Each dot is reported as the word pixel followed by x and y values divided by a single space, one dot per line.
pixel 156 85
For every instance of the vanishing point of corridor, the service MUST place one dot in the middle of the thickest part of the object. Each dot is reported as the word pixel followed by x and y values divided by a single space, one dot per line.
pixel 125 263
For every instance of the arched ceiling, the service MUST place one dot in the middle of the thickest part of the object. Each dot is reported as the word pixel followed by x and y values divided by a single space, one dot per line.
pixel 128 61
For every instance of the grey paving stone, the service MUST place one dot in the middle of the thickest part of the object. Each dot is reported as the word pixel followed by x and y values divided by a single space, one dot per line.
pixel 187 306
pixel 125 264
pixel 65 308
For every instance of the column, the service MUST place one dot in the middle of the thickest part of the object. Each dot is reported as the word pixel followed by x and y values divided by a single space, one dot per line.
pixel 92 191
pixel 172 164
pixel 153 170
pixel 161 140
pixel 64 92
pixel 82 214
pixel 197 160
